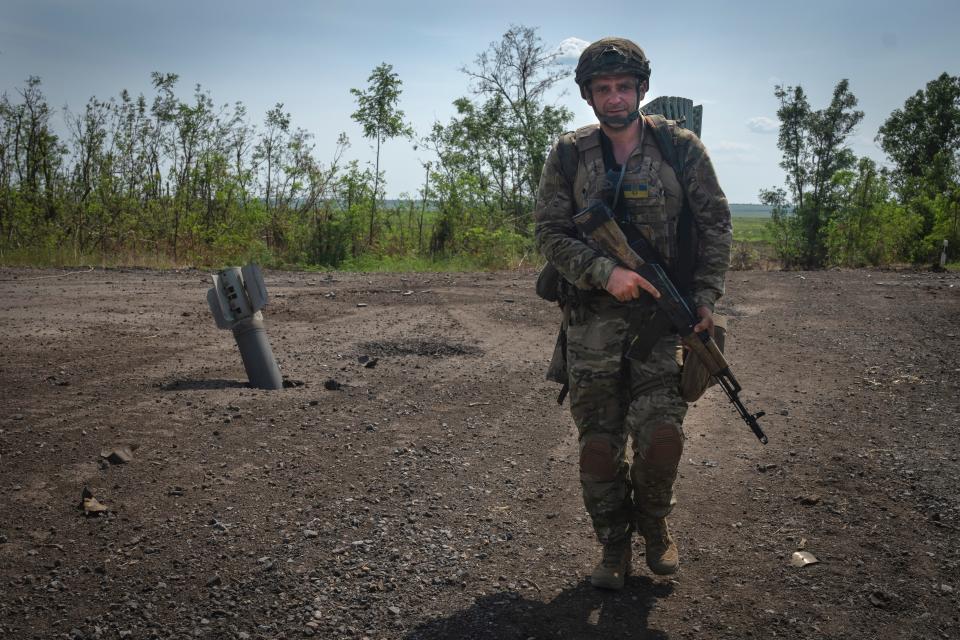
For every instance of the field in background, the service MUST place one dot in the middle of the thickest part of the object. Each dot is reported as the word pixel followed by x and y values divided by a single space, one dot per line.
pixel 749 228
pixel 751 250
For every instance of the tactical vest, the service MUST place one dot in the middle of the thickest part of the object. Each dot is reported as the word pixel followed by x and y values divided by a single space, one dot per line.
pixel 645 189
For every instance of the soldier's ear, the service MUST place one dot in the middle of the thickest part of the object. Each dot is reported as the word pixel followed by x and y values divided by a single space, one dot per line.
pixel 644 86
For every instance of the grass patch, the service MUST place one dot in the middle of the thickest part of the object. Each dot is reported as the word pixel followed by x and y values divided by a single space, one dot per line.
pixel 749 229
pixel 63 258
pixel 398 264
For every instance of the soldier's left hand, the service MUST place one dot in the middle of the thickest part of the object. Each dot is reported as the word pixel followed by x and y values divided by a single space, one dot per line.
pixel 706 320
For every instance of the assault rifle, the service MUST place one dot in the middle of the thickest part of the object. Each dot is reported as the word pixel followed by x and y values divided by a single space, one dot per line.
pixel 597 223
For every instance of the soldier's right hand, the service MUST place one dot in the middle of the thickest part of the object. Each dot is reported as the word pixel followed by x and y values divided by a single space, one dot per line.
pixel 626 285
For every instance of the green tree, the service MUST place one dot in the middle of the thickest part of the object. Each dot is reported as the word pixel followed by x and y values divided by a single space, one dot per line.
pixel 814 146
pixel 922 139
pixel 89 137
pixel 381 120
pixel 32 165
pixel 925 133
pixel 867 226
pixel 268 156
pixel 794 114
pixel 513 77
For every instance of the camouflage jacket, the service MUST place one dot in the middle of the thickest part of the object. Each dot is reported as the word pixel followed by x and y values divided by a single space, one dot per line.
pixel 653 197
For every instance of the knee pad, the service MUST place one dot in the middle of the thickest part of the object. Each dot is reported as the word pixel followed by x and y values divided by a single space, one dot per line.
pixel 598 461
pixel 666 446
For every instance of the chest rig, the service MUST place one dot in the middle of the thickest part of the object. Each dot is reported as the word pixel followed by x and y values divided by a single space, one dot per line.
pixel 651 197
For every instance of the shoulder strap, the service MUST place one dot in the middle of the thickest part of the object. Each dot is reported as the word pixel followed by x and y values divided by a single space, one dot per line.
pixel 666 136
pixel 675 152
pixel 569 157
pixel 573 144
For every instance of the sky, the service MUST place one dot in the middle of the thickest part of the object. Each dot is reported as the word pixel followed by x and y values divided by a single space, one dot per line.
pixel 727 56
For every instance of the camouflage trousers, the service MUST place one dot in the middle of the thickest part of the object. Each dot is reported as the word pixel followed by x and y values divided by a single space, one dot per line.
pixel 614 399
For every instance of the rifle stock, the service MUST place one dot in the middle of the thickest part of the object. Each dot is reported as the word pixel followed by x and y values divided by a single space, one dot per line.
pixel 597 223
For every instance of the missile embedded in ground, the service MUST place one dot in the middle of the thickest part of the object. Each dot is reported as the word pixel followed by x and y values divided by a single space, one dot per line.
pixel 236 300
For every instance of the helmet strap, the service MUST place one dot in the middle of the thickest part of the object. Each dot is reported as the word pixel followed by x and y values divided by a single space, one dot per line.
pixel 619 122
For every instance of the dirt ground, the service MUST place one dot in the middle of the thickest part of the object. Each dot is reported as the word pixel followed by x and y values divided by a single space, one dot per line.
pixel 436 494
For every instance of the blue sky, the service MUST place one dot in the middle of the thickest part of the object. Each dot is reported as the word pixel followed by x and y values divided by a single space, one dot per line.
pixel 308 55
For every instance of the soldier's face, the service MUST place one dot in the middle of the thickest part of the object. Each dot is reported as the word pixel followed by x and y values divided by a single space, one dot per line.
pixel 615 95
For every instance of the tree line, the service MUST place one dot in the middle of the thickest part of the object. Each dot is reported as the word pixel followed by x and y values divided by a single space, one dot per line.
pixel 838 209
pixel 196 182
pixel 183 179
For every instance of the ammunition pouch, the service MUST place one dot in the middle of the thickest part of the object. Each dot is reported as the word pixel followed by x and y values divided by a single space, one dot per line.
pixel 548 283
pixel 695 378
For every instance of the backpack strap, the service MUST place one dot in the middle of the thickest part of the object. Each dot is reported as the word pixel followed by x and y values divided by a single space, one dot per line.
pixel 674 151
pixel 569 156
pixel 584 143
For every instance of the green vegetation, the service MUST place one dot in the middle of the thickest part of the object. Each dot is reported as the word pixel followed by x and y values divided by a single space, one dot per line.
pixel 171 180
pixel 842 210
pixel 751 229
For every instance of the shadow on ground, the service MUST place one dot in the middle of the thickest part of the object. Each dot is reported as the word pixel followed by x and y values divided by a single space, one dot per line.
pixel 203 385
pixel 579 613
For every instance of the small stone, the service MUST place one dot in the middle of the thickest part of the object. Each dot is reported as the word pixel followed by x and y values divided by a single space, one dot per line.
pixel 880 599
pixel 394 610
pixel 310 533
pixel 118 455
pixel 215 581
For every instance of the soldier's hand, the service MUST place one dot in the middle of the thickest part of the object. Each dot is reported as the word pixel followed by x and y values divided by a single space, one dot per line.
pixel 626 284
pixel 706 320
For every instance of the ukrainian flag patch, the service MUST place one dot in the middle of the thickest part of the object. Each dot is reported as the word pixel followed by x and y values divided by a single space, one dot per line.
pixel 635 191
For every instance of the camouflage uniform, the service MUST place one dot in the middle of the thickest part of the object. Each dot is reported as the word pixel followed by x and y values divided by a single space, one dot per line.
pixel 611 396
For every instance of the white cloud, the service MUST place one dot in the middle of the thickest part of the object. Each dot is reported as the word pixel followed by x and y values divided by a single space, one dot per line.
pixel 568 52
pixel 763 124
pixel 726 145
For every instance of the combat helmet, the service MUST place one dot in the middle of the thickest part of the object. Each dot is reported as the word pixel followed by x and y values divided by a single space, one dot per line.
pixel 611 56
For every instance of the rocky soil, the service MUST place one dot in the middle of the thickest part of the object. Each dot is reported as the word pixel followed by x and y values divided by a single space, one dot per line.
pixel 432 492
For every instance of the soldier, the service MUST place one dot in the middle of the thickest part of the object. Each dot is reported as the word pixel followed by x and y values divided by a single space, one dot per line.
pixel 681 210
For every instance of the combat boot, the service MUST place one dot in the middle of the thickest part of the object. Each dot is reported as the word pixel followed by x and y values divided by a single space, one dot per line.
pixel 661 551
pixel 614 566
